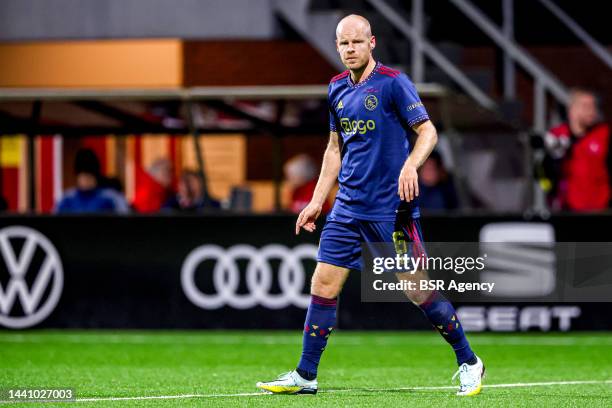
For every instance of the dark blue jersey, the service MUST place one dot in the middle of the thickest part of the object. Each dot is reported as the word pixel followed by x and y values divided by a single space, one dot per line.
pixel 373 118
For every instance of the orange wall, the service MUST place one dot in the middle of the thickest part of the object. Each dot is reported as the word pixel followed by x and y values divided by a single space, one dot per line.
pixel 108 63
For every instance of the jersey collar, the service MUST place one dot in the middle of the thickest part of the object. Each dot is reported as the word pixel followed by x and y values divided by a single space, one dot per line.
pixel 350 83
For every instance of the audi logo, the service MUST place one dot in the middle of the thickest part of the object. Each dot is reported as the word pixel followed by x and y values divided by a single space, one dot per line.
pixel 259 275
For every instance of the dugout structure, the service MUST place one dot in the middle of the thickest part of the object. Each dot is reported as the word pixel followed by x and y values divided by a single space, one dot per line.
pixel 288 112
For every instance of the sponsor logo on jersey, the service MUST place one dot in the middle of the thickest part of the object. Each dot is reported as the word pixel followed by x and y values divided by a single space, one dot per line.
pixel 340 105
pixel 414 106
pixel 351 127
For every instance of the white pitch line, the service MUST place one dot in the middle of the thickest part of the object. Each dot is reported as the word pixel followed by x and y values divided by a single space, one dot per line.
pixel 452 387
pixel 184 396
pixel 262 394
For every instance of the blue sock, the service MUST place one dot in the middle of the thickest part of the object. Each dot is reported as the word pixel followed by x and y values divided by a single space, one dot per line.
pixel 320 321
pixel 442 315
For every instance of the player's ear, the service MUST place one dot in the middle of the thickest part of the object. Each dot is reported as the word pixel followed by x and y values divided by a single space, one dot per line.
pixel 372 42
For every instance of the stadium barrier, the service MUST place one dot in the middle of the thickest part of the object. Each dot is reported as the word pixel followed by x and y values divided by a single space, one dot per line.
pixel 228 271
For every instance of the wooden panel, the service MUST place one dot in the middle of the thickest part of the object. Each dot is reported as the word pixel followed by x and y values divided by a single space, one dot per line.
pixel 111 155
pixel 108 63
pixel 260 148
pixel 263 195
pixel 224 160
pixel 218 63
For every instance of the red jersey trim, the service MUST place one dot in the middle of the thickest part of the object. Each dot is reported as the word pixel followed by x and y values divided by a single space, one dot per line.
pixel 388 71
pixel 339 76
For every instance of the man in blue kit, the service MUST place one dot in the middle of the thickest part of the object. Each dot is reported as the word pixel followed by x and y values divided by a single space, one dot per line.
pixel 371 108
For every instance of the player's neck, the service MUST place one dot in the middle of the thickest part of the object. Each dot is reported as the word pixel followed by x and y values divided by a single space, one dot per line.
pixel 361 74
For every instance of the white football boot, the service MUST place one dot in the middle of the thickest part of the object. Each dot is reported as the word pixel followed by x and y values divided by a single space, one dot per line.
pixel 289 383
pixel 470 378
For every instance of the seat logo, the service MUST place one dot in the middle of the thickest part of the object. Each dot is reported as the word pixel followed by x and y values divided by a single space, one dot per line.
pixel 259 275
pixel 520 258
pixel 21 296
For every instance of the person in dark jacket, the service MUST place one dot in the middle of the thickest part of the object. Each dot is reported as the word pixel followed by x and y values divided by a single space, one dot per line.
pixel 87 196
pixel 436 187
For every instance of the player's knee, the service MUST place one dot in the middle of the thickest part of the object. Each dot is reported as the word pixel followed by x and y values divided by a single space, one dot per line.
pixel 325 286
pixel 327 281
pixel 324 289
pixel 416 295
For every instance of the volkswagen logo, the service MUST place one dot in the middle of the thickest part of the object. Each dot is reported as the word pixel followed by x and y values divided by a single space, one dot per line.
pixel 259 275
pixel 19 265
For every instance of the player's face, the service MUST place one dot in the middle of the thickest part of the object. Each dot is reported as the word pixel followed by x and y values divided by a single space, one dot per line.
pixel 354 46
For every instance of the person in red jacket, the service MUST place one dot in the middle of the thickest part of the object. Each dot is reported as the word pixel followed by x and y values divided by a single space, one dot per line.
pixel 154 187
pixel 581 146
pixel 301 176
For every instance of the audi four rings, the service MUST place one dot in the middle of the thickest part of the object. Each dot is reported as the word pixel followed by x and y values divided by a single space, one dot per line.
pixel 259 275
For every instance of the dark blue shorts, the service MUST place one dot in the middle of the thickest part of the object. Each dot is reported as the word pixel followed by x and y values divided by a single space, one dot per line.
pixel 342 237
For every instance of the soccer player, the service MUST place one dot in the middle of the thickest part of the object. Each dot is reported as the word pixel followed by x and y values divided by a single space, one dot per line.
pixel 371 108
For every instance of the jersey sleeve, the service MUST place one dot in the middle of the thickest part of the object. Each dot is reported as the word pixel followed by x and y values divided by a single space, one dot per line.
pixel 333 118
pixel 407 101
pixel 332 121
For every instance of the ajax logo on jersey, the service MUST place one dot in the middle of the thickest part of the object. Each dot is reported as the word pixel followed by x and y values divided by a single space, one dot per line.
pixel 370 102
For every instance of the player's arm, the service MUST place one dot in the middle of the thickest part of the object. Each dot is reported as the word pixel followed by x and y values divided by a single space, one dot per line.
pixel 413 113
pixel 327 178
pixel 408 183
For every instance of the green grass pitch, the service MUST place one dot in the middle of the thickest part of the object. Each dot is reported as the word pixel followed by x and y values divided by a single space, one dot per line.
pixel 378 369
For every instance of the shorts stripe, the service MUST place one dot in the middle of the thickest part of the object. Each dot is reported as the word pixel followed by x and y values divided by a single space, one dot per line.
pixel 415 237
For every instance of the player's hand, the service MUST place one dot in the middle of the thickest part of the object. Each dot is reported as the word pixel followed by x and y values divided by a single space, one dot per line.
pixel 408 183
pixel 307 218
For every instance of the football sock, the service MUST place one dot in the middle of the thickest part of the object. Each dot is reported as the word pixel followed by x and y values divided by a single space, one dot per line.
pixel 320 321
pixel 442 315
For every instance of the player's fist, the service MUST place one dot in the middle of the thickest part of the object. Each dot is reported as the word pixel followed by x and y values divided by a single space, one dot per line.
pixel 408 183
pixel 307 218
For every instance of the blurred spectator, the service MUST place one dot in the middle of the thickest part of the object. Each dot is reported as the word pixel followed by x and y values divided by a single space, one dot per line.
pixel 301 176
pixel 112 183
pixel 154 188
pixel 579 156
pixel 191 195
pixel 88 196
pixel 436 187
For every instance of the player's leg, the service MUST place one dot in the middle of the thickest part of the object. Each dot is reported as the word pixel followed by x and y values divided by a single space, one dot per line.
pixel 327 283
pixel 441 314
pixel 339 252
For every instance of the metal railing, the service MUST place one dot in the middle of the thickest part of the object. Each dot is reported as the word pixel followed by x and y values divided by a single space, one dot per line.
pixel 421 46
pixel 544 79
pixel 597 49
